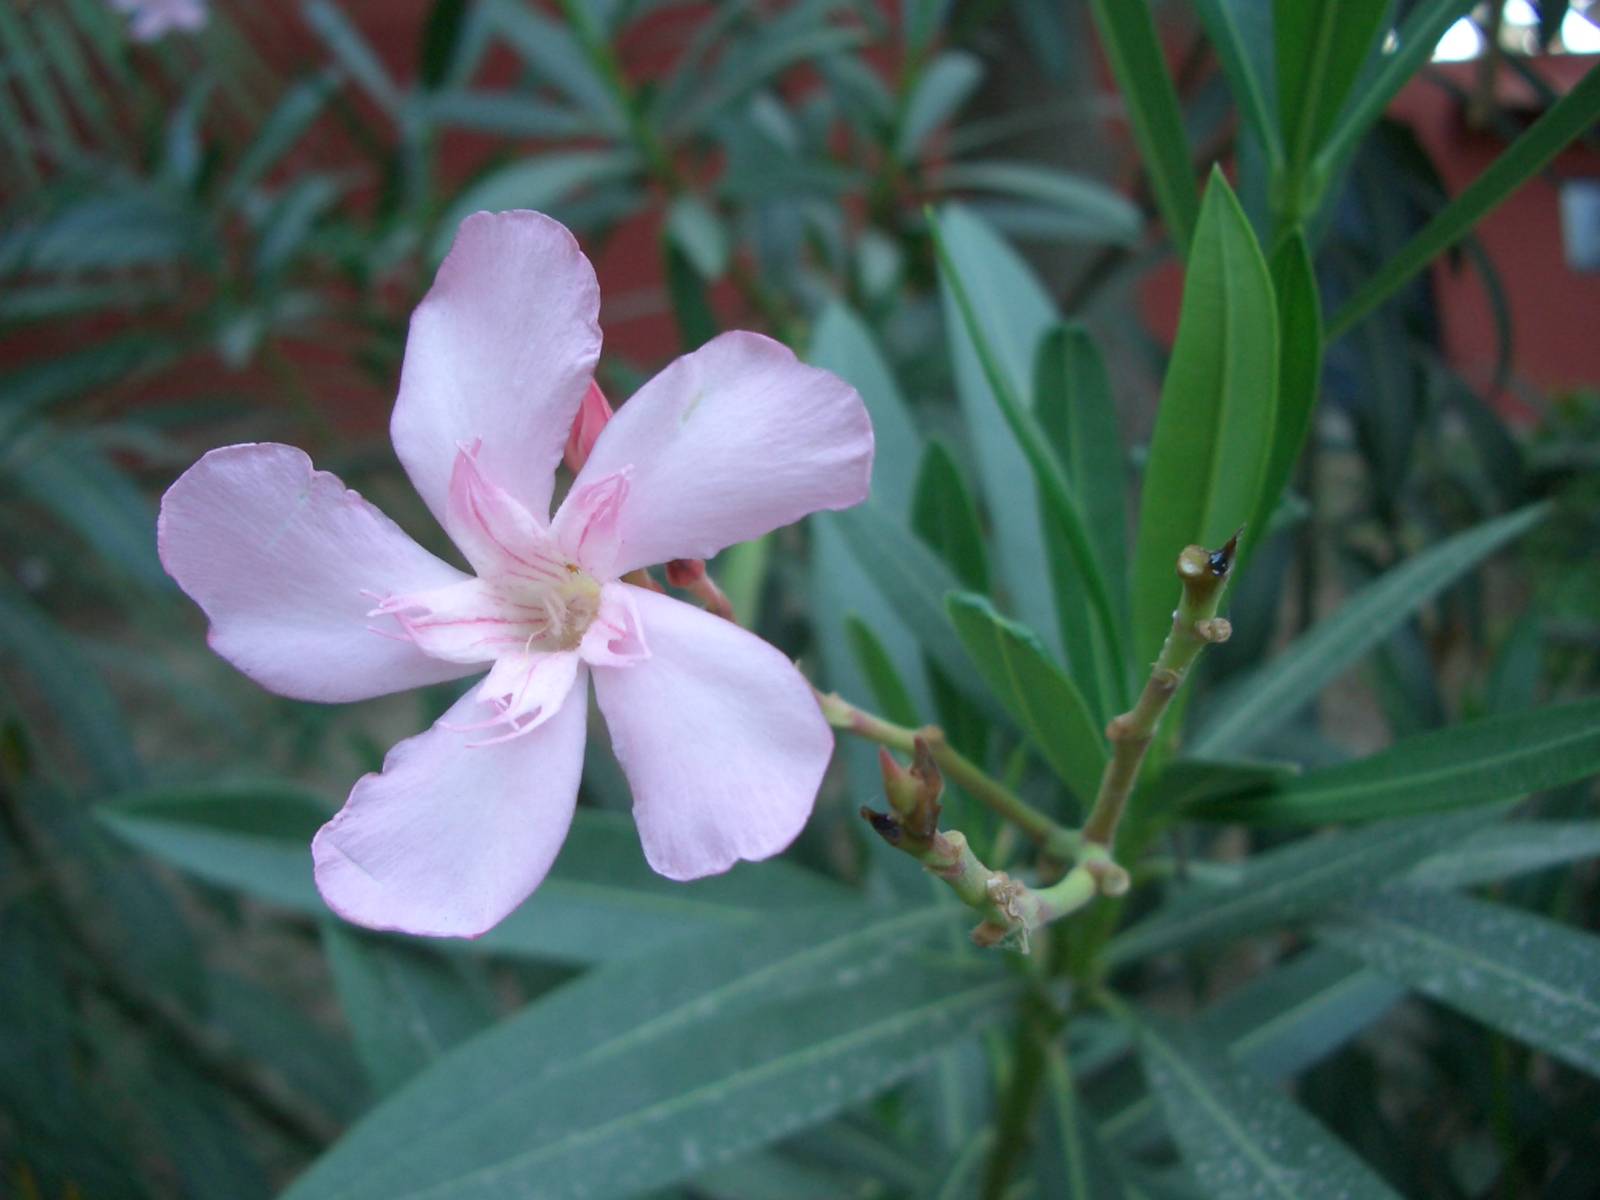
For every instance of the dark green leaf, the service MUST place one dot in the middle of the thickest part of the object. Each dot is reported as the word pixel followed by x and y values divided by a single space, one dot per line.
pixel 507 114
pixel 1071 1162
pixel 1213 434
pixel 1524 975
pixel 277 135
pixel 1042 698
pixel 945 516
pixel 1101 213
pixel 941 89
pixel 1510 849
pixel 1271 696
pixel 558 59
pixel 888 692
pixel 691 303
pixel 1294 286
pixel 1241 33
pixel 354 52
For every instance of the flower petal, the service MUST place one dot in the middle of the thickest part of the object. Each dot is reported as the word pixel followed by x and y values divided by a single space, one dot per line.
pixel 720 737
pixel 501 348
pixel 449 838
pixel 495 532
pixel 726 443
pixel 287 563
pixel 467 622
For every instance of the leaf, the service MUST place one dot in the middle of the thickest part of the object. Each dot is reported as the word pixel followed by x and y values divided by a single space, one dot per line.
pixel 507 114
pixel 1072 397
pixel 1102 213
pixel 782 43
pixel 691 303
pixel 540 183
pixel 1241 1136
pixel 1285 886
pixel 1294 286
pixel 1526 976
pixel 406 1005
pixel 978 273
pixel 642 1074
pixel 354 52
pixel 1475 763
pixel 1572 115
pixel 698 232
pixel 600 902
pixel 1270 697
pixel 1046 704
pixel 558 59
pixel 888 692
pixel 301 105
pixel 1071 1162
pixel 1240 31
pixel 945 516
pixel 942 87
pixel 1128 34
pixel 1321 45
pixel 1510 849
pixel 1213 433
pixel 912 580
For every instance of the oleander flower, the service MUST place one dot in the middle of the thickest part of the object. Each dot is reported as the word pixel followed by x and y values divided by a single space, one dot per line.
pixel 315 594
pixel 149 20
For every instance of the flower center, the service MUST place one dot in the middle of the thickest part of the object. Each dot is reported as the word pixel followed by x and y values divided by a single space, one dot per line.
pixel 556 612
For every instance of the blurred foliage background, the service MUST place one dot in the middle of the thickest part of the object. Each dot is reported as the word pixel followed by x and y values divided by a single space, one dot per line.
pixel 218 236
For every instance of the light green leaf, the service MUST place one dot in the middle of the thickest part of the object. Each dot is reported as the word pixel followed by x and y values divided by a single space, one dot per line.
pixel 353 51
pixel 888 691
pixel 556 58
pixel 1524 975
pixel 1271 696
pixel 1102 213
pixel 943 86
pixel 406 1005
pixel 698 232
pixel 945 516
pixel 1240 1135
pixel 1213 434
pixel 301 105
pixel 1294 286
pixel 1128 33
pixel 1240 32
pixel 1510 849
pixel 1046 704
pixel 1479 762
pixel 1285 886
pixel 643 1074
pixel 1548 136
pixel 539 183
pixel 507 114
pixel 600 902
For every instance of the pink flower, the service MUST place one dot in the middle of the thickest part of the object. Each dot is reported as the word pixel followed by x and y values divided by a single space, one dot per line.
pixel 315 594
pixel 152 19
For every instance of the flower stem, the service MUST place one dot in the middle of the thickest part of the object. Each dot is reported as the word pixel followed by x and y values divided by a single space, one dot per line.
pixel 1055 839
pixel 1195 625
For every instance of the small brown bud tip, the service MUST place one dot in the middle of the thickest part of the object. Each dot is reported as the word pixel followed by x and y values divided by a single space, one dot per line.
pixel 883 825
pixel 924 767
pixel 685 572
pixel 1221 560
pixel 1215 630
pixel 989 934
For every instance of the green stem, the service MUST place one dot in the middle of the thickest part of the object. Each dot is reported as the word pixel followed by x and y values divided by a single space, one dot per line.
pixel 1056 840
pixel 1194 627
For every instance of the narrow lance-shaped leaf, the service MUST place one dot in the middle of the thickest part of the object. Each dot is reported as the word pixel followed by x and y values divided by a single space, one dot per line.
pixel 1213 432
pixel 1479 762
pixel 1128 33
pixel 1270 697
pixel 1287 885
pixel 945 515
pixel 1240 32
pixel 1241 1136
pixel 938 94
pixel 888 691
pixel 1294 286
pixel 1508 850
pixel 1571 115
pixel 1526 976
pixel 1042 698
pixel 1071 1161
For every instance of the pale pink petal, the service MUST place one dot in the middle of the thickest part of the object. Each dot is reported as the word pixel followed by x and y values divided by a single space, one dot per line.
pixel 720 737
pixel 727 443
pixel 502 348
pixel 525 690
pixel 615 638
pixel 494 531
pixel 589 525
pixel 449 838
pixel 467 622
pixel 288 563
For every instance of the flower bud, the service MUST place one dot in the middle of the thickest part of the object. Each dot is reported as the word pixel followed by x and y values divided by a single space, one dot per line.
pixel 593 414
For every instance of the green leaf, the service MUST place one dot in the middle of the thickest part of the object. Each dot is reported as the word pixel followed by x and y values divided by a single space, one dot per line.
pixel 1128 34
pixel 1270 697
pixel 558 59
pixel 301 105
pixel 942 87
pixel 782 43
pixel 888 692
pixel 1573 114
pixel 1526 976
pixel 1101 213
pixel 641 1074
pixel 354 52
pixel 507 114
pixel 1479 762
pixel 1072 396
pixel 600 902
pixel 26 67
pixel 1294 286
pixel 1241 33
pixel 541 182
pixel 1321 45
pixel 1213 431
pixel 1510 849
pixel 912 580
pixel 698 232
pixel 945 516
pixel 964 246
pixel 691 303
pixel 405 1005
pixel 1287 885
pixel 1240 1135
pixel 1046 704
pixel 1071 1162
